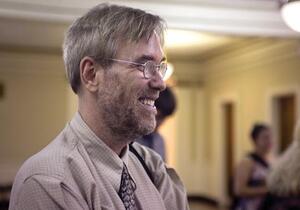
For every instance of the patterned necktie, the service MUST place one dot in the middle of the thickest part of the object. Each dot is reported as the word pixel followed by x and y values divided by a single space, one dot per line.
pixel 127 188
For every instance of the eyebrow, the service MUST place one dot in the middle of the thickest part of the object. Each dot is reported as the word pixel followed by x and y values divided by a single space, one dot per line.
pixel 148 58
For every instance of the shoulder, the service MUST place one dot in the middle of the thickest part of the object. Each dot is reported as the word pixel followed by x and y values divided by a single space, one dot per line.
pixel 166 180
pixel 31 189
pixel 160 171
pixel 245 166
pixel 154 164
pixel 46 172
pixel 152 160
pixel 51 161
pixel 45 192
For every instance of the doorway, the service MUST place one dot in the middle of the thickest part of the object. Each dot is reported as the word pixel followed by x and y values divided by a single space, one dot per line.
pixel 285 109
pixel 229 140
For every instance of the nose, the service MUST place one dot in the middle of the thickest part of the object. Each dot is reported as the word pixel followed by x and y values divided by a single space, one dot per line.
pixel 156 82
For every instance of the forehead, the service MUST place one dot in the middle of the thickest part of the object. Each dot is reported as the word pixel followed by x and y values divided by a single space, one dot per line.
pixel 151 48
pixel 265 132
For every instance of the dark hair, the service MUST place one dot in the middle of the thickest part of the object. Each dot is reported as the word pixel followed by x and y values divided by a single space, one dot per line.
pixel 257 129
pixel 166 103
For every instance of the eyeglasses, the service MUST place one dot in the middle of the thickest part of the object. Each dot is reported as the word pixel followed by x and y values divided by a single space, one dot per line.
pixel 149 68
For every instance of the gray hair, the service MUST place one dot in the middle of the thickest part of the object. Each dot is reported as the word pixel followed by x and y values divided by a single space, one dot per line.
pixel 100 31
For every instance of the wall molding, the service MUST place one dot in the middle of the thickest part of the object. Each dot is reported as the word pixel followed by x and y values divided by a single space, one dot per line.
pixel 240 18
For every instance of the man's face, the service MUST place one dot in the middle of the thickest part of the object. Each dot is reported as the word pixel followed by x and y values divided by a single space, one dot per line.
pixel 125 97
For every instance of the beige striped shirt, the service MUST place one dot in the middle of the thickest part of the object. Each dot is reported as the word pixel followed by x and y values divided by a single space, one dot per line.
pixel 78 171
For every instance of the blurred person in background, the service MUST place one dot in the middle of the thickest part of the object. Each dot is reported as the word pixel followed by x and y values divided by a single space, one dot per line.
pixel 251 174
pixel 165 105
pixel 284 180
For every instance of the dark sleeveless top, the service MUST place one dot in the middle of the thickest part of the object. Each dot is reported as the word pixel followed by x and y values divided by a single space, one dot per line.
pixel 257 179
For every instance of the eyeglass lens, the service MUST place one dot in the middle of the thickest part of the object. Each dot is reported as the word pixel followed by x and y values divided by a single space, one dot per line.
pixel 151 68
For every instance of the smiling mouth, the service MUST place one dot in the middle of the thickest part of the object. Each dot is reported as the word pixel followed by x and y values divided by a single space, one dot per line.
pixel 148 102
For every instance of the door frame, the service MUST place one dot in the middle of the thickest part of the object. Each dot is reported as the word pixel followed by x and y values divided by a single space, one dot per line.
pixel 272 107
pixel 218 136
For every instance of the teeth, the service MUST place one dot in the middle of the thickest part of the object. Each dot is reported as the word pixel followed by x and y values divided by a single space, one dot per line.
pixel 148 102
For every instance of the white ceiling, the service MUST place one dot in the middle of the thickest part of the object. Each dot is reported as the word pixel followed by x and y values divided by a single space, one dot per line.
pixel 40 24
pixel 246 17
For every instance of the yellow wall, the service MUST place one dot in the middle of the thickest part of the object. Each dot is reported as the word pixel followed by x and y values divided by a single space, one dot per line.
pixel 33 109
pixel 247 75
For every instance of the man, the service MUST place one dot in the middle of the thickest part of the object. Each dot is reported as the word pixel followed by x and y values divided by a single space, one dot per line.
pixel 165 105
pixel 115 64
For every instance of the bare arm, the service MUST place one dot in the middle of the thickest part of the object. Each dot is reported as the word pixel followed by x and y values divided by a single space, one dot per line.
pixel 243 174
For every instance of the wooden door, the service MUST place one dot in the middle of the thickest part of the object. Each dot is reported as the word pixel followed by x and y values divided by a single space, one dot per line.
pixel 229 128
pixel 287 120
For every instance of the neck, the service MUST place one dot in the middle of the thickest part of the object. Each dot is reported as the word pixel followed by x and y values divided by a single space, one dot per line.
pixel 93 119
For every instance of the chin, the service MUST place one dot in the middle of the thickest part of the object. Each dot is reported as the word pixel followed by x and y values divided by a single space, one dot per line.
pixel 148 127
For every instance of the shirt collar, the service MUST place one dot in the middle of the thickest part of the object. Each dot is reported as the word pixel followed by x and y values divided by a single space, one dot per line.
pixel 99 152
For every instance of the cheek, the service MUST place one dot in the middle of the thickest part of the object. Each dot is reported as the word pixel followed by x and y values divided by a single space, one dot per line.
pixel 266 144
pixel 269 143
pixel 125 95
pixel 261 143
pixel 127 88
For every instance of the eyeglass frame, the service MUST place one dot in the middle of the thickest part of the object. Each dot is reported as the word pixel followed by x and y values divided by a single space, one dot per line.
pixel 157 67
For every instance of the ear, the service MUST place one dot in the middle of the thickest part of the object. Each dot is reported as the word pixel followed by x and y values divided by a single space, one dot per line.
pixel 88 73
